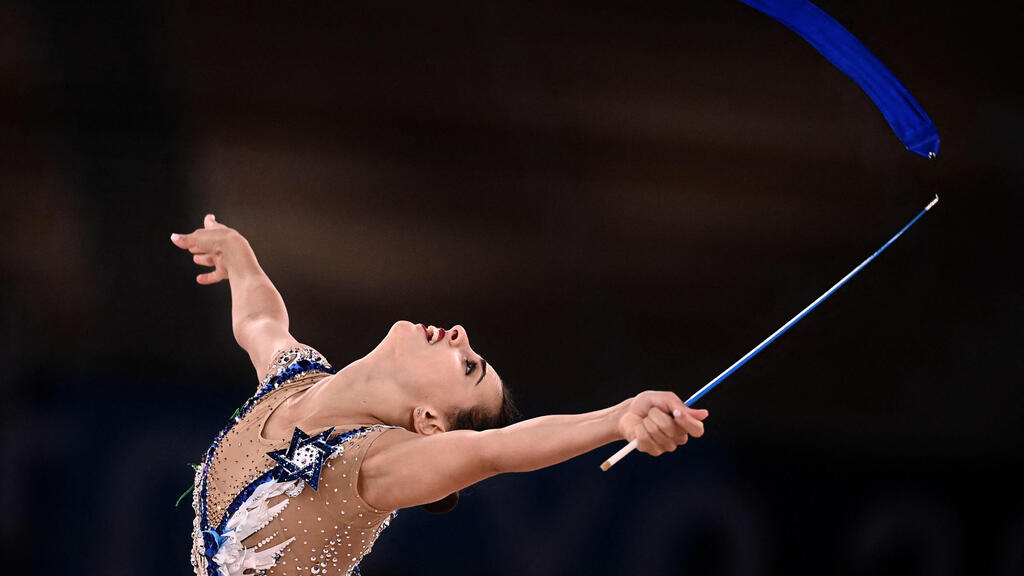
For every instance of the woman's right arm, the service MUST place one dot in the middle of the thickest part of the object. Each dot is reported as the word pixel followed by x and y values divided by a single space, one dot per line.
pixel 404 469
pixel 259 319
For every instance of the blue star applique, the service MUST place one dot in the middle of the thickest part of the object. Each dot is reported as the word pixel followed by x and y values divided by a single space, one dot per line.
pixel 304 457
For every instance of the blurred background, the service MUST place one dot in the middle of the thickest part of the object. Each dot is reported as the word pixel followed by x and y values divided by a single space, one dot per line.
pixel 609 197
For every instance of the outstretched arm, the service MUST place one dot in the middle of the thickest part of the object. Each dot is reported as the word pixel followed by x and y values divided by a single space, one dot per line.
pixel 404 469
pixel 259 318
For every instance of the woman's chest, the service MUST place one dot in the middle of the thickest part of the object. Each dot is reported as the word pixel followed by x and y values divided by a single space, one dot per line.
pixel 293 507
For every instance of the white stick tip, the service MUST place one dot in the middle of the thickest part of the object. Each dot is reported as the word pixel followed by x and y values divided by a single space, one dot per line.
pixel 618 455
pixel 932 203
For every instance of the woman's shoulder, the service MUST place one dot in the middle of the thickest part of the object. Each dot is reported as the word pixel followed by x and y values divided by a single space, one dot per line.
pixel 291 364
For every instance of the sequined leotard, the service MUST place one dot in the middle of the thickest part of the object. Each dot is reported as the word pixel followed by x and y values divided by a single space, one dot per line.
pixel 283 506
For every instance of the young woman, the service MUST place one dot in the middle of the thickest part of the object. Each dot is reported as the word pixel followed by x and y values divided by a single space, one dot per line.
pixel 312 467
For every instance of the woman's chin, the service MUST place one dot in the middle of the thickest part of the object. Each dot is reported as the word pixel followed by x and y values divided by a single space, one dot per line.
pixel 399 331
pixel 402 334
pixel 402 325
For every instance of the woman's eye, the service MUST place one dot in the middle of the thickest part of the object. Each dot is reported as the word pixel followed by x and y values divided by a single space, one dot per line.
pixel 470 366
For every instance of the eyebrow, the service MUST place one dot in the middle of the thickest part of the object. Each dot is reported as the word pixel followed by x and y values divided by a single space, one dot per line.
pixel 483 371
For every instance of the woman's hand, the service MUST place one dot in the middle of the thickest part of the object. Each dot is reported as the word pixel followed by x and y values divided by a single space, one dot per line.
pixel 209 246
pixel 659 421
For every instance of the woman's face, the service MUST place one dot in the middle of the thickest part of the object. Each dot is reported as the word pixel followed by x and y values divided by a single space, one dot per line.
pixel 442 367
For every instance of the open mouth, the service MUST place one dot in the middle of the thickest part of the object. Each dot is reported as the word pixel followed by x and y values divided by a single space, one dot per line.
pixel 433 334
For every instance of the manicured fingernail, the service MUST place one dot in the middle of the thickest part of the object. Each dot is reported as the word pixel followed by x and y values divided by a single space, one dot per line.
pixel 175 236
pixel 677 413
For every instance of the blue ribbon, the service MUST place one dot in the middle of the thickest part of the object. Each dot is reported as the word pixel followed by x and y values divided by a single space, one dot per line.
pixel 906 117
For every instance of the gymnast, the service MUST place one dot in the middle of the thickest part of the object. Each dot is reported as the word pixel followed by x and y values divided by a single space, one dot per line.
pixel 312 467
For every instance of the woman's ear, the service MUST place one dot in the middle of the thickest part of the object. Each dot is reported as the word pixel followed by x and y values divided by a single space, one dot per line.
pixel 426 420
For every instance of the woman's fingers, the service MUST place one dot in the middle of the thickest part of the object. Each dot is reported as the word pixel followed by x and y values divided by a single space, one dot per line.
pixel 664 441
pixel 668 402
pixel 211 222
pixel 204 260
pixel 672 431
pixel 183 241
pixel 191 242
pixel 688 421
pixel 210 277
pixel 645 443
pixel 658 433
pixel 200 240
pixel 205 245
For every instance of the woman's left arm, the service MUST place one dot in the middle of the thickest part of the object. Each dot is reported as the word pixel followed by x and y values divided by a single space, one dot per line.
pixel 404 469
pixel 259 319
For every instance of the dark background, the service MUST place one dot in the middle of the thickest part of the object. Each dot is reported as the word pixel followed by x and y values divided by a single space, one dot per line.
pixel 610 197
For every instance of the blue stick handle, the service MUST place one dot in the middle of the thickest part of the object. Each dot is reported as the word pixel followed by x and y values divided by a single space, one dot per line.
pixel 718 379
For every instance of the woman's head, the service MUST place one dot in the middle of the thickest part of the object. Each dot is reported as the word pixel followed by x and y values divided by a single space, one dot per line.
pixel 450 385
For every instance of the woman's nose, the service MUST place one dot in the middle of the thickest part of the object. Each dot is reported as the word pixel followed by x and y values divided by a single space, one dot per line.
pixel 457 336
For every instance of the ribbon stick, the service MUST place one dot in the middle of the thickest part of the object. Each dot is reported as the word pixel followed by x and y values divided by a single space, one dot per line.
pixel 718 379
pixel 906 117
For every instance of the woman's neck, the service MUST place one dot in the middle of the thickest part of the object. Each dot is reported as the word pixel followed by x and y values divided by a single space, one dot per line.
pixel 359 393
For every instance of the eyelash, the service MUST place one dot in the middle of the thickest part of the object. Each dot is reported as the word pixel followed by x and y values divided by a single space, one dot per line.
pixel 470 366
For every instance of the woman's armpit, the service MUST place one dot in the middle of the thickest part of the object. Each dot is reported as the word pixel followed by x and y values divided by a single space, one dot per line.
pixel 367 442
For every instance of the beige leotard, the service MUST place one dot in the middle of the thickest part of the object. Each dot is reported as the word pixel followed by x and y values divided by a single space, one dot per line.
pixel 284 506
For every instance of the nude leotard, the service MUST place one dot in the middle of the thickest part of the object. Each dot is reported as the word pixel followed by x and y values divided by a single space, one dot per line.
pixel 287 505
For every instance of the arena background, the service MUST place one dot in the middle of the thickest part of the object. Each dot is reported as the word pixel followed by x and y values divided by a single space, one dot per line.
pixel 609 196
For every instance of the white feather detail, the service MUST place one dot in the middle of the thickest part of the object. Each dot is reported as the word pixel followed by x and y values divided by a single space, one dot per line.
pixel 232 557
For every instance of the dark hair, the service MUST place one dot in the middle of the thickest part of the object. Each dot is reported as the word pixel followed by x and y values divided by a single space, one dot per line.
pixel 479 418
pixel 476 418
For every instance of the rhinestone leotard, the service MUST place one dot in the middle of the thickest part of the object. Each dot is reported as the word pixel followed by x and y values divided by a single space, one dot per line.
pixel 283 506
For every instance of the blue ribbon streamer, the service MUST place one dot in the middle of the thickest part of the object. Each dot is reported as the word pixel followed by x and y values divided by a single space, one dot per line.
pixel 906 117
